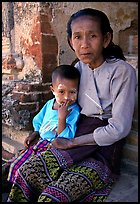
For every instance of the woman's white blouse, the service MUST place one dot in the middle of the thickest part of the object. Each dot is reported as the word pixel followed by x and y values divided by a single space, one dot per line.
pixel 108 92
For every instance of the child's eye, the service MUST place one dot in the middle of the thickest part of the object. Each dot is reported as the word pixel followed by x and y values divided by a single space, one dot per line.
pixel 73 92
pixel 61 91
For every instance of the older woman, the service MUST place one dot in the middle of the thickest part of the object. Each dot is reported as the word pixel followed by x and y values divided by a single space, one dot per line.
pixel 84 168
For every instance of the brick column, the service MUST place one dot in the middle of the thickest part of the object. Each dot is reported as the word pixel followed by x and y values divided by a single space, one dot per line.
pixel 49 48
pixel 44 48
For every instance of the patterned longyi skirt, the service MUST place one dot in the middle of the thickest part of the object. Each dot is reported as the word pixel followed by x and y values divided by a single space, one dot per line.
pixel 51 176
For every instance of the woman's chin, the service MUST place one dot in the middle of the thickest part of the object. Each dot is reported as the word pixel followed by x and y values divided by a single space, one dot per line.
pixel 85 61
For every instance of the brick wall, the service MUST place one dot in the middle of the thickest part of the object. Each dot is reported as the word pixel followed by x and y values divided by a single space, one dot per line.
pixel 33 36
pixel 39 48
pixel 23 102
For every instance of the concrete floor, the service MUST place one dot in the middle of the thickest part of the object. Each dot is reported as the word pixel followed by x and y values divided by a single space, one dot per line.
pixel 125 189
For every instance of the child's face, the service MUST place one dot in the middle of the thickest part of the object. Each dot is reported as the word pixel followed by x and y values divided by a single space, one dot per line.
pixel 65 90
pixel 87 40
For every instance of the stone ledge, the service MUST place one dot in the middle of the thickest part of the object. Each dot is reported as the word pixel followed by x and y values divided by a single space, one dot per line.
pixel 12 146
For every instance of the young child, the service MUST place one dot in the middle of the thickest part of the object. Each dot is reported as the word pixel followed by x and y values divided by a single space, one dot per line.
pixel 58 117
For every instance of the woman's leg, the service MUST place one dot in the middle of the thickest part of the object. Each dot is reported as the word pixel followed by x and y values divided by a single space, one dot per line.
pixel 15 165
pixel 90 180
pixel 33 176
pixel 41 178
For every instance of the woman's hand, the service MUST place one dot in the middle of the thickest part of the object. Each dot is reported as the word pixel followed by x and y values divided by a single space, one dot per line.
pixel 31 139
pixel 61 143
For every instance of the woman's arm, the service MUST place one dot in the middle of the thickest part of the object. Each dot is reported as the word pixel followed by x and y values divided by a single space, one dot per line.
pixel 62 143
pixel 123 89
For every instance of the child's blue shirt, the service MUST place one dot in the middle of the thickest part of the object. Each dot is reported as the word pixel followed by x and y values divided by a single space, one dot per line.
pixel 46 122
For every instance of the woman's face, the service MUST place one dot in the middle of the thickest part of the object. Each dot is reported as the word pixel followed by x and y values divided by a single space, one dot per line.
pixel 88 41
pixel 65 90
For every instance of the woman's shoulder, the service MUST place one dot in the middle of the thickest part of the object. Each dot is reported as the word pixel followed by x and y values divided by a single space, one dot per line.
pixel 121 65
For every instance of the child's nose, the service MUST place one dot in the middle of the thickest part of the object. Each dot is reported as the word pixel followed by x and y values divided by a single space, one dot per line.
pixel 67 96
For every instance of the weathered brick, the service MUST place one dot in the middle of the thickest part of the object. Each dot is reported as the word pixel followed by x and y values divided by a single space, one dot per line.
pixel 49 44
pixel 32 87
pixel 36 52
pixel 25 98
pixel 49 59
pixel 47 72
pixel 45 24
pixel 11 77
pixel 27 106
pixel 46 96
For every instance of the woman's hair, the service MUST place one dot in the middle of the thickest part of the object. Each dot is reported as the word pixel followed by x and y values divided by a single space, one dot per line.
pixel 112 50
pixel 65 72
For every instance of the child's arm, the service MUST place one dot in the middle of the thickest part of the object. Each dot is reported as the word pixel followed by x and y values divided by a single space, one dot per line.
pixel 62 114
pixel 31 139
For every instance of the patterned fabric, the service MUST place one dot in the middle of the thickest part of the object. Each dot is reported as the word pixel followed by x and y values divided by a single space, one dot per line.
pixel 16 164
pixel 41 179
pixel 81 174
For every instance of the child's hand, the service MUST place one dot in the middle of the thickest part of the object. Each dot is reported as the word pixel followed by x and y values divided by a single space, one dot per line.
pixel 31 139
pixel 63 110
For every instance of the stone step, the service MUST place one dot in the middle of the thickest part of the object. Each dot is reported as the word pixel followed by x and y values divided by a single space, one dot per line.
pixel 14 134
pixel 129 167
pixel 12 139
pixel 6 51
pixel 132 138
pixel 135 124
pixel 130 152
pixel 11 145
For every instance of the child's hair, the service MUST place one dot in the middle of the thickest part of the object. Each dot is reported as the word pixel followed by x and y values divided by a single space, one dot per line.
pixel 66 72
pixel 112 50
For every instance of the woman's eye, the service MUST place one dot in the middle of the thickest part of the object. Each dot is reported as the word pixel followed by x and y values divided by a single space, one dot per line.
pixel 77 37
pixel 93 36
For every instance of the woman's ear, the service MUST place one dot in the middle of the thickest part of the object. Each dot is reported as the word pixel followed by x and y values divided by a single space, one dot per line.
pixel 70 43
pixel 107 39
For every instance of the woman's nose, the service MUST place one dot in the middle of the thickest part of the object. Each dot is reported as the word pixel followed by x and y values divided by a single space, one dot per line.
pixel 84 43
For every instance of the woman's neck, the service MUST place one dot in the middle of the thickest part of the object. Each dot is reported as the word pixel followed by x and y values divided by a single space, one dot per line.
pixel 95 65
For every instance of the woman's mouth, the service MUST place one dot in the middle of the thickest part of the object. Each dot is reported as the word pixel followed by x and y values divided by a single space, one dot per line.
pixel 84 54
